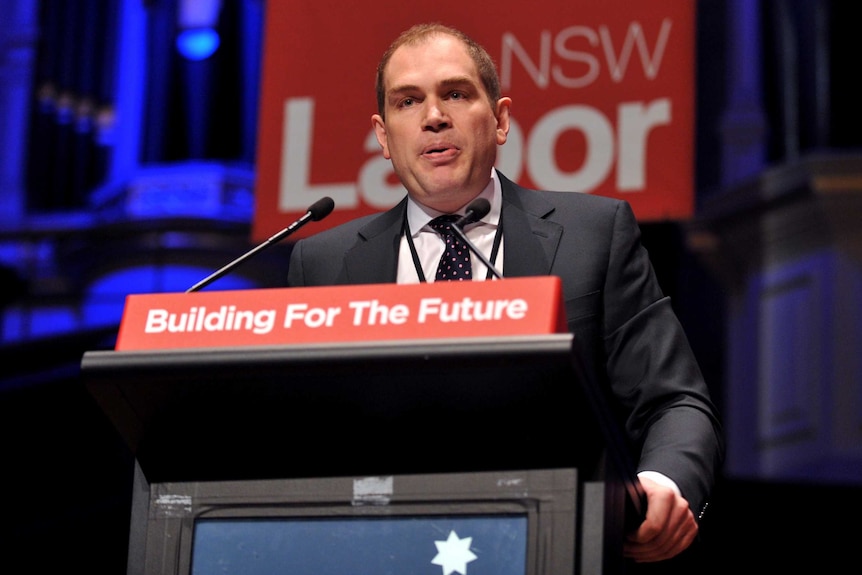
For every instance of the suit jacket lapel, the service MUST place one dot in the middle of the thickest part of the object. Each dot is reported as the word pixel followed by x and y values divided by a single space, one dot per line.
pixel 531 238
pixel 374 257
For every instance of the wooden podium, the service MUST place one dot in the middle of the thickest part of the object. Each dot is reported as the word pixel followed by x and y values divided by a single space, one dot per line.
pixel 492 387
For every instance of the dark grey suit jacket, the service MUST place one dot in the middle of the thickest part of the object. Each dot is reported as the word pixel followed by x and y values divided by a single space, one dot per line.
pixel 627 330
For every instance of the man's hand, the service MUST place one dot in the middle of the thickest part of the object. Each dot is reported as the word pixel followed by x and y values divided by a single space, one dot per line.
pixel 669 527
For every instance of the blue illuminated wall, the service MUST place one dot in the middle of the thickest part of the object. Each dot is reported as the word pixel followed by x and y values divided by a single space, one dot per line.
pixel 135 123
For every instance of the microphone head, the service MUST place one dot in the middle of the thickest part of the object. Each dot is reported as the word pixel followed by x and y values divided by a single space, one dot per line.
pixel 477 209
pixel 321 208
pixel 474 212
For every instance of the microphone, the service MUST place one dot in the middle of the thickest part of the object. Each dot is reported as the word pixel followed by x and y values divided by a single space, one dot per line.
pixel 475 212
pixel 316 212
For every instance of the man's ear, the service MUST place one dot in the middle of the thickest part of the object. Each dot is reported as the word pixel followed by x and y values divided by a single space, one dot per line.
pixel 380 132
pixel 502 114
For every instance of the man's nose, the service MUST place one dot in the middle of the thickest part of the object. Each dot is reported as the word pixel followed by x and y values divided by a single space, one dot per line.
pixel 436 117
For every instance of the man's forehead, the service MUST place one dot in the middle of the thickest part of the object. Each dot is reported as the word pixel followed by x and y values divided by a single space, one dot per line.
pixel 405 56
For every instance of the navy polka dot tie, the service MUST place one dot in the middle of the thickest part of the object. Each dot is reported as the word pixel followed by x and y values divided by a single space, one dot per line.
pixel 455 263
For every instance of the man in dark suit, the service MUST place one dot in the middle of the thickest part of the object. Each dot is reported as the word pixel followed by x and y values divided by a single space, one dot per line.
pixel 440 119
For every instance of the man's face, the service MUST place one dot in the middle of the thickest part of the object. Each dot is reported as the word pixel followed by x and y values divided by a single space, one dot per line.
pixel 440 132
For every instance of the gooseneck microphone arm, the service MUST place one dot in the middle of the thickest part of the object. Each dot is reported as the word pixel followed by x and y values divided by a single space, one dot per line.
pixel 475 212
pixel 317 211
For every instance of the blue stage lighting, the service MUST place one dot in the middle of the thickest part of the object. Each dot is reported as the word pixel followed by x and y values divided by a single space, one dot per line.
pixel 197 43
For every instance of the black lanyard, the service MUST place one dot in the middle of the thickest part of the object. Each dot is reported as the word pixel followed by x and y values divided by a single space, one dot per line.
pixel 498 236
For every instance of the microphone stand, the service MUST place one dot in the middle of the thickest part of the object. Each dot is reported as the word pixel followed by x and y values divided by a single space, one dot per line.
pixel 477 252
pixel 475 211
pixel 317 211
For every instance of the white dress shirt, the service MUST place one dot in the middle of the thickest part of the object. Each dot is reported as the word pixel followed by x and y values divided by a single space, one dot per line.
pixel 430 246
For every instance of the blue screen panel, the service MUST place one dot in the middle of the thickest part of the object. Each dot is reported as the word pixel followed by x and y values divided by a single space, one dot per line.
pixel 438 545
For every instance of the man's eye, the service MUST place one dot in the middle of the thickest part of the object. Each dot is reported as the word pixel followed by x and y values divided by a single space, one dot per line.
pixel 457 95
pixel 407 102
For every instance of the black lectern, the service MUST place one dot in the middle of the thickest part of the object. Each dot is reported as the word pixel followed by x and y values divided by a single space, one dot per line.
pixel 472 426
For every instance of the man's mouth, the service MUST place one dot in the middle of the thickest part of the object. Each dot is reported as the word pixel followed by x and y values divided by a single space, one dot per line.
pixel 439 150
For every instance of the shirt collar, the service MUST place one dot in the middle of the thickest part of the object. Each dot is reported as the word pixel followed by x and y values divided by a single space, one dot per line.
pixel 418 215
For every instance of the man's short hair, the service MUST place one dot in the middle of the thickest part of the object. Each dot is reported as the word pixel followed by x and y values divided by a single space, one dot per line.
pixel 420 33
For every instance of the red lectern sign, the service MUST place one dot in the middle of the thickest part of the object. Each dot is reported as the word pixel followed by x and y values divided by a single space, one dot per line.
pixel 376 312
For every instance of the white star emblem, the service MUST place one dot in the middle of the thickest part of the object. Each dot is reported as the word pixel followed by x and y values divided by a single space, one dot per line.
pixel 454 554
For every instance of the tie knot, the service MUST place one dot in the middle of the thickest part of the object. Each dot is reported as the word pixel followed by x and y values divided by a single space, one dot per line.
pixel 443 224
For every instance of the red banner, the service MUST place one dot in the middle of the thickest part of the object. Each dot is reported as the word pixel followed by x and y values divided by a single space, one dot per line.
pixel 603 102
pixel 277 316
